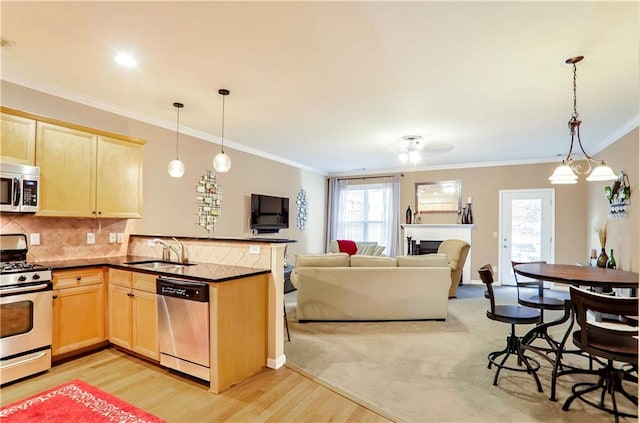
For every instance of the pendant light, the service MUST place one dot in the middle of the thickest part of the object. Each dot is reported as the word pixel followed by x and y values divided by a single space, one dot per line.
pixel 565 173
pixel 222 161
pixel 176 167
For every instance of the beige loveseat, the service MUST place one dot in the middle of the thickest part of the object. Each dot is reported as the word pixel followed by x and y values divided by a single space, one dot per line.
pixel 340 287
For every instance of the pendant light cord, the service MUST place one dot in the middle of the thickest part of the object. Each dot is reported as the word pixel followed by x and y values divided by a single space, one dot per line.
pixel 178 106
pixel 575 92
pixel 177 131
pixel 222 147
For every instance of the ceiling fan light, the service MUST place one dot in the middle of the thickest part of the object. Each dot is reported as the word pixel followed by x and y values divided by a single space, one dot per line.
pixel 403 157
pixel 414 157
pixel 222 162
pixel 602 172
pixel 176 168
pixel 563 175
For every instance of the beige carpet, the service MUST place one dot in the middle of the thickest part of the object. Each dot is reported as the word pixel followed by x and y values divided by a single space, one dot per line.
pixel 428 371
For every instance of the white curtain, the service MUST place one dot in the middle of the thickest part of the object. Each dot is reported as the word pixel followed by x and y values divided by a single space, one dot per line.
pixel 365 209
pixel 336 190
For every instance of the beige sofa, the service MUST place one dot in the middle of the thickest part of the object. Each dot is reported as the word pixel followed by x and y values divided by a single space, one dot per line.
pixel 339 287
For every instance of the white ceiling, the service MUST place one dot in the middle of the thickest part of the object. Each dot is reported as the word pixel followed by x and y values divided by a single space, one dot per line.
pixel 334 86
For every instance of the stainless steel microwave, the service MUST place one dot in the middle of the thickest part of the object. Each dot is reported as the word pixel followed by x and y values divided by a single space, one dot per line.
pixel 20 188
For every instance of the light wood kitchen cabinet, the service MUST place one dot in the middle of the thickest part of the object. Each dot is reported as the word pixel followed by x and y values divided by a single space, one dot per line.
pixel 78 309
pixel 133 315
pixel 85 174
pixel 17 139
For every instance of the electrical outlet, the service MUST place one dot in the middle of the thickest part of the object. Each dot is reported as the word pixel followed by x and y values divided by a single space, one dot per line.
pixel 120 237
pixel 91 238
pixel 112 237
pixel 254 249
pixel 35 239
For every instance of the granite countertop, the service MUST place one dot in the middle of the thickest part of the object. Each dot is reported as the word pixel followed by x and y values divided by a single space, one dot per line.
pixel 235 239
pixel 207 272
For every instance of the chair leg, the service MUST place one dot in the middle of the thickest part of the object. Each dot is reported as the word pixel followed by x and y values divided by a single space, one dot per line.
pixel 286 322
pixel 609 381
pixel 514 346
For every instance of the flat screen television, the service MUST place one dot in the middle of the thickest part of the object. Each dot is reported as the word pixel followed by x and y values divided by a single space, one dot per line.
pixel 269 214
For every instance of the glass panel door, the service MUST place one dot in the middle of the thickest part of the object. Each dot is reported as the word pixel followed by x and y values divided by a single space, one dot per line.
pixel 526 229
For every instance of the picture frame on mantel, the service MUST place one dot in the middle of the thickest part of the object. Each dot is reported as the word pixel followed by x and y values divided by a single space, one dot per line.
pixel 438 197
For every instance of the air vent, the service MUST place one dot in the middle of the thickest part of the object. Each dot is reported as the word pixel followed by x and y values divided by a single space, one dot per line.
pixel 5 43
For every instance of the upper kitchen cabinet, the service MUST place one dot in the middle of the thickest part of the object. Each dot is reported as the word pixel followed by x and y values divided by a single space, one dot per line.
pixel 17 139
pixel 88 174
pixel 119 178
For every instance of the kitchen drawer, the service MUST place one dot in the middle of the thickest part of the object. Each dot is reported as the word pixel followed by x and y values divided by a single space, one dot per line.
pixel 120 278
pixel 144 282
pixel 77 277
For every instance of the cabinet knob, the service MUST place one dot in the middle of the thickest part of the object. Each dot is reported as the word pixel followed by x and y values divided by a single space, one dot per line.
pixel 78 278
pixel 129 294
pixel 99 212
pixel 55 296
pixel 93 212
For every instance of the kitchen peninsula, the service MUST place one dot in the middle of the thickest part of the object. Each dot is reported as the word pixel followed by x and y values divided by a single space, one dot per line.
pixel 245 278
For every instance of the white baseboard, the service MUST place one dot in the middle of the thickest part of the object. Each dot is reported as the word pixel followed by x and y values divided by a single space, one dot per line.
pixel 277 363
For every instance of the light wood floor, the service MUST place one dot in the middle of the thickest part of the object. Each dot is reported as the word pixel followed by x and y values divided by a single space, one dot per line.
pixel 283 395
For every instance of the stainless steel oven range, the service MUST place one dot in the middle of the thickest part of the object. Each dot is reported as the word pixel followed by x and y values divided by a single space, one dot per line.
pixel 26 311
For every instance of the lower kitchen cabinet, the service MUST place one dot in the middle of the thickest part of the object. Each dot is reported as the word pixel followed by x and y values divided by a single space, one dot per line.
pixel 78 310
pixel 133 315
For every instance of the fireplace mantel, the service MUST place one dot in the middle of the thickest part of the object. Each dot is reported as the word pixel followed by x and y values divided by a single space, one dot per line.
pixel 440 232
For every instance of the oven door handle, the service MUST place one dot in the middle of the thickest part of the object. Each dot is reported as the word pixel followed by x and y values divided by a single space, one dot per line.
pixel 25 361
pixel 24 289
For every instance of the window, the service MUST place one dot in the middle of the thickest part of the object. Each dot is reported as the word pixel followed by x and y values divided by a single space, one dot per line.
pixel 365 210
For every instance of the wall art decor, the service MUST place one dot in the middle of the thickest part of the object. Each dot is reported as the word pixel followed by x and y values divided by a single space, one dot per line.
pixel 619 194
pixel 209 200
pixel 302 214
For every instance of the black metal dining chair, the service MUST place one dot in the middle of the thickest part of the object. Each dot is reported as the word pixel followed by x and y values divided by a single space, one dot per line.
pixel 614 342
pixel 514 315
pixel 531 293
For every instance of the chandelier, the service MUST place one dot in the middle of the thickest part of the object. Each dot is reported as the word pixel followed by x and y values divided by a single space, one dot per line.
pixel 410 151
pixel 566 172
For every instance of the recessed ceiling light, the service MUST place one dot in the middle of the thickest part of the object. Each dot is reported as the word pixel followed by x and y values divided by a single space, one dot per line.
pixel 125 60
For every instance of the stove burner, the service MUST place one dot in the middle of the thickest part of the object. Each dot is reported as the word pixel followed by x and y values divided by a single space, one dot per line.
pixel 18 266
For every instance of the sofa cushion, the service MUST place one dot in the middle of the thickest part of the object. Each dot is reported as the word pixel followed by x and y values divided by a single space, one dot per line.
pixel 372 261
pixel 347 246
pixel 424 260
pixel 322 260
pixel 360 245
pixel 370 250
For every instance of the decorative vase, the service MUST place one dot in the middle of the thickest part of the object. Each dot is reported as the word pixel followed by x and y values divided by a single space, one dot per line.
pixel 602 259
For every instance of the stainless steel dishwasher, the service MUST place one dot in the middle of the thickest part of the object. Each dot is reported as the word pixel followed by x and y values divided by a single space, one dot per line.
pixel 183 326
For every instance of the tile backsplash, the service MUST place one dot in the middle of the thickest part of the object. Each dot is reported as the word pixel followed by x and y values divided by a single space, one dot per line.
pixel 66 238
pixel 208 251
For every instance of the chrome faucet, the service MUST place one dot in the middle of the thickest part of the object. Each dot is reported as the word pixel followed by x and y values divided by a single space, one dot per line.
pixel 166 248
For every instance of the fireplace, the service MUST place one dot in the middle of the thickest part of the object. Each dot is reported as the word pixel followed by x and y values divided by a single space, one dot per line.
pixel 423 232
pixel 424 247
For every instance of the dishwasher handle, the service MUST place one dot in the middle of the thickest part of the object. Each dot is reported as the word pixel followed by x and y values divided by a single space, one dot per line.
pixel 187 290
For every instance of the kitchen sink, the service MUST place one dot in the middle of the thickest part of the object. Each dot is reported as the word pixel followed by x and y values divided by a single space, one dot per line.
pixel 158 264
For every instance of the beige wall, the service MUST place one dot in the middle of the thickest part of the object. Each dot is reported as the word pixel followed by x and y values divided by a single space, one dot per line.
pixel 170 207
pixel 623 233
pixel 484 185
pixel 169 203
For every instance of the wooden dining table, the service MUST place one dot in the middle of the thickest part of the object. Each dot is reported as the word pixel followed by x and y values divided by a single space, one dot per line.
pixel 594 277
pixel 575 275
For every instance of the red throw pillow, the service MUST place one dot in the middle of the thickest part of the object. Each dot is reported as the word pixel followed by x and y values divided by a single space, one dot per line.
pixel 347 246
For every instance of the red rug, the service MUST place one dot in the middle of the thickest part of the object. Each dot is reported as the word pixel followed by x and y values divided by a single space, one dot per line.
pixel 73 402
